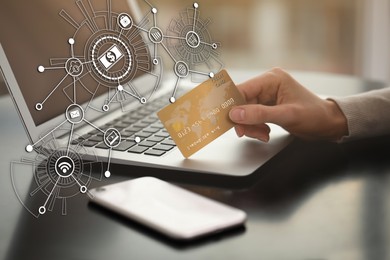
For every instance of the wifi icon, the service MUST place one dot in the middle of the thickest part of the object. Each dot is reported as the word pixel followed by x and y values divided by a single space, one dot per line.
pixel 64 166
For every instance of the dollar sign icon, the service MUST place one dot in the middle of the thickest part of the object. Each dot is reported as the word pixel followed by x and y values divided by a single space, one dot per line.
pixel 110 56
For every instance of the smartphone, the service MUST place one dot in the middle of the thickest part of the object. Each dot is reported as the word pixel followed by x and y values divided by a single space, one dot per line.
pixel 171 210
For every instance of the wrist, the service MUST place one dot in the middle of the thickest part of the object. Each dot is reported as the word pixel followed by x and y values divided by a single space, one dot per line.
pixel 338 124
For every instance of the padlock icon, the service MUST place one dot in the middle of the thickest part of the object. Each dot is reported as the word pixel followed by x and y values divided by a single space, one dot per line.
pixel 125 21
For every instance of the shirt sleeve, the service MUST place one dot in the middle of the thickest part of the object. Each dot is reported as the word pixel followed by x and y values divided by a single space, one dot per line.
pixel 368 114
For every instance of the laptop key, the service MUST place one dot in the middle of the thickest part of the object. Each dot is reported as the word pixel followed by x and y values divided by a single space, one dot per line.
pixel 95 139
pixel 163 147
pixel 155 152
pixel 157 125
pixel 132 129
pixel 169 142
pixel 138 149
pixel 125 134
pixel 102 146
pixel 89 143
pixel 147 143
pixel 93 132
pixel 162 134
pixel 85 136
pixel 128 120
pixel 149 120
pixel 143 134
pixel 121 125
pixel 124 146
pixel 143 112
pixel 151 130
pixel 155 139
pixel 141 125
pixel 137 116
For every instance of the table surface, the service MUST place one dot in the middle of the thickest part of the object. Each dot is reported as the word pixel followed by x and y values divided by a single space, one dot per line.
pixel 311 201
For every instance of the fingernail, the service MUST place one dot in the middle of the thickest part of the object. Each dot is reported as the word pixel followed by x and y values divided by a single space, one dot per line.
pixel 237 114
pixel 264 139
pixel 239 131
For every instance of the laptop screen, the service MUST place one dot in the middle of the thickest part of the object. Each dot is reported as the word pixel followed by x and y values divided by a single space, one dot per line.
pixel 65 52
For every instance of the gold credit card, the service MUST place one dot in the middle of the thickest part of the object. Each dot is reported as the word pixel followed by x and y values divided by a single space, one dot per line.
pixel 202 114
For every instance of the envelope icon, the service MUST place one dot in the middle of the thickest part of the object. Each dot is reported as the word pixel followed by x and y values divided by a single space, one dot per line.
pixel 74 114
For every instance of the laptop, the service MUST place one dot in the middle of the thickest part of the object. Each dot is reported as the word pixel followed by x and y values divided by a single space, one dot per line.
pixel 36 40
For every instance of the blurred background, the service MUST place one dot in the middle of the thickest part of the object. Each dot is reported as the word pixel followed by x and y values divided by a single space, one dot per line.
pixel 339 36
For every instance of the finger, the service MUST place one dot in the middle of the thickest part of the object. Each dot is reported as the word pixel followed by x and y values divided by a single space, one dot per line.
pixel 256 114
pixel 239 130
pixel 263 89
pixel 262 129
pixel 260 132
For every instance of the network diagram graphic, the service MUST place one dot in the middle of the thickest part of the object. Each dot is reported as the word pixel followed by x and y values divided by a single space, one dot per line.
pixel 59 174
pixel 115 52
pixel 188 44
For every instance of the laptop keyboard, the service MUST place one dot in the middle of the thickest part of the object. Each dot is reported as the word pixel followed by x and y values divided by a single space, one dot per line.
pixel 142 123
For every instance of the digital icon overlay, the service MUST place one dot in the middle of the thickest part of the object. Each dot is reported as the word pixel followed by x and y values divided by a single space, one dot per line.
pixel 111 57
pixel 58 173
pixel 188 43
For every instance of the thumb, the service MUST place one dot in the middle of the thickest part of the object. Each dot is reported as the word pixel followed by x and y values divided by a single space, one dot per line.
pixel 256 114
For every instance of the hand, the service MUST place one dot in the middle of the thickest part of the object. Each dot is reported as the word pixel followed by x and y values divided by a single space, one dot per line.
pixel 275 97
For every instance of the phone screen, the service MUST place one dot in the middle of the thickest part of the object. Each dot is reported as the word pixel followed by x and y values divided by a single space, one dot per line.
pixel 168 209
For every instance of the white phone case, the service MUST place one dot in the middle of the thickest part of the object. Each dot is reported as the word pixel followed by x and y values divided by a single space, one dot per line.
pixel 169 209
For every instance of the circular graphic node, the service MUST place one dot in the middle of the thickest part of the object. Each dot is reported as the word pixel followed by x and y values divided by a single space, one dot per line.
pixel 71 41
pixel 172 100
pixel 42 210
pixel 83 189
pixel 107 174
pixel 112 58
pixel 156 35
pixel 125 21
pixel 41 69
pixel 181 69
pixel 112 137
pixel 29 148
pixel 192 39
pixel 39 106
pixel 106 108
pixel 137 139
pixel 74 114
pixel 74 67
pixel 64 166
